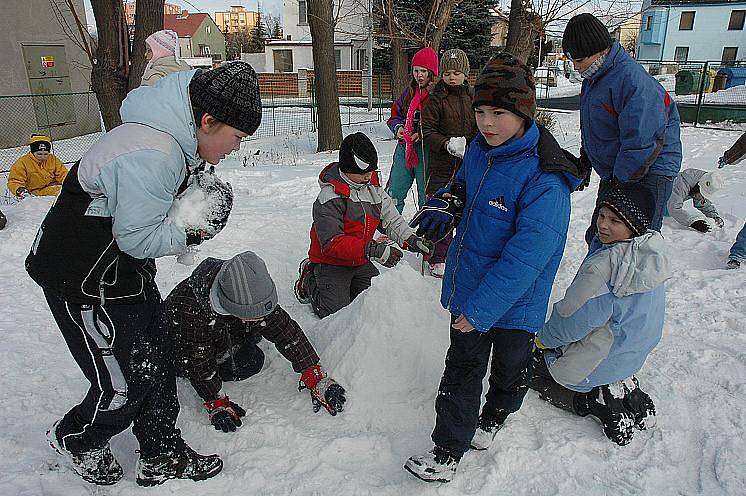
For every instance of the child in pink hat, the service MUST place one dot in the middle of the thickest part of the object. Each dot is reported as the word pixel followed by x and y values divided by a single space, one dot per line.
pixel 161 51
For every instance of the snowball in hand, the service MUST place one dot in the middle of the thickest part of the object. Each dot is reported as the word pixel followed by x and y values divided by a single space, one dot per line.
pixel 204 205
pixel 456 146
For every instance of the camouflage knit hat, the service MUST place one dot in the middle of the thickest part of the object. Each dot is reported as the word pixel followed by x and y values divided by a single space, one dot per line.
pixel 507 83
pixel 454 60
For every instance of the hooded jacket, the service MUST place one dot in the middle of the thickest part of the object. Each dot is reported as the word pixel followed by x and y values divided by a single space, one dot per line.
pixel 98 240
pixel 681 192
pixel 203 339
pixel 162 67
pixel 448 114
pixel 40 178
pixel 629 124
pixel 507 248
pixel 612 314
pixel 346 216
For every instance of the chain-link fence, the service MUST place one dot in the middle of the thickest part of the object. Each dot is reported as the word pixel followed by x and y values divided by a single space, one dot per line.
pixel 711 94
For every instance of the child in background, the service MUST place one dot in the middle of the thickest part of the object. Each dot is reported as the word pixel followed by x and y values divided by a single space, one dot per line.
pixel 38 173
pixel 410 156
pixel 733 155
pixel 447 125
pixel 500 266
pixel 346 214
pixel 697 185
pixel 610 319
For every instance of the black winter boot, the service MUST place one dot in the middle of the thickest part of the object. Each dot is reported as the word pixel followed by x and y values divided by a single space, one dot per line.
pixel 97 466
pixel 438 465
pixel 183 463
pixel 606 404
pixel 639 404
pixel 489 424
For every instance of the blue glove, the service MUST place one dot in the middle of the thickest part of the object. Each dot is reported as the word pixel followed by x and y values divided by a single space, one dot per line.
pixel 440 214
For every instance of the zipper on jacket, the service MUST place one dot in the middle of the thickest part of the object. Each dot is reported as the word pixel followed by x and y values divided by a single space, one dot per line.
pixel 463 235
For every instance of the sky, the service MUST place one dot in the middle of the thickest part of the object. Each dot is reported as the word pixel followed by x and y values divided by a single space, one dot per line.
pixel 210 6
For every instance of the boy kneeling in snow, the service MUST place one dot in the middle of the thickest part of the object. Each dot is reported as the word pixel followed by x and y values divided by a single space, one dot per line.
pixel 217 315
pixel 696 185
pixel 350 207
pixel 610 319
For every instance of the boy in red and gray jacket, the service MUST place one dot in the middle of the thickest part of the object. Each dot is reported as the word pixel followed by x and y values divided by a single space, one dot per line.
pixel 350 207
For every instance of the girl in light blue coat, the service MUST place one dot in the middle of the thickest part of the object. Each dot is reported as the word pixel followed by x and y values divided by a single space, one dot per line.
pixel 610 319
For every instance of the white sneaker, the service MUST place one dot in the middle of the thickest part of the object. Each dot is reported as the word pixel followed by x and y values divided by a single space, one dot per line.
pixel 434 466
pixel 437 270
pixel 487 430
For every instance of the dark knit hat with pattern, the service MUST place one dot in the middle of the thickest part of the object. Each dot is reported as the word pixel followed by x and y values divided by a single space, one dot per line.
pixel 507 83
pixel 633 203
pixel 454 60
pixel 229 93
pixel 357 155
pixel 40 142
pixel 584 36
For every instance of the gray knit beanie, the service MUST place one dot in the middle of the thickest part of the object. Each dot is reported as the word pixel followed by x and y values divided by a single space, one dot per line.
pixel 244 288
pixel 454 60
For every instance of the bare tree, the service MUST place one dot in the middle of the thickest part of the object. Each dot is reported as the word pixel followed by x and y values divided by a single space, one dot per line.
pixel 321 24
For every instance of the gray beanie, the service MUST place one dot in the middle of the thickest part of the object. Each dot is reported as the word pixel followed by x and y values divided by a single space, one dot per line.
pixel 244 288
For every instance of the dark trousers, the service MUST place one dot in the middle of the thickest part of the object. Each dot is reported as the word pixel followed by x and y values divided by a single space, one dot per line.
pixel 441 249
pixel 459 394
pixel 550 390
pixel 123 352
pixel 333 287
pixel 245 361
pixel 659 186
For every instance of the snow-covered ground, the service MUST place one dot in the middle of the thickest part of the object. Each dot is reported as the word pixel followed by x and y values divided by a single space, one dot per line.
pixel 387 349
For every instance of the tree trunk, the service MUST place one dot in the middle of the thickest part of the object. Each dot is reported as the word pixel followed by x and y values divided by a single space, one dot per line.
pixel 109 73
pixel 325 74
pixel 441 16
pixel 400 74
pixel 521 34
pixel 148 20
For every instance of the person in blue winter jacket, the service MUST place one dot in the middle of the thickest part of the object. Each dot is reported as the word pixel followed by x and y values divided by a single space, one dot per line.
pixel 94 257
pixel 609 320
pixel 629 124
pixel 514 209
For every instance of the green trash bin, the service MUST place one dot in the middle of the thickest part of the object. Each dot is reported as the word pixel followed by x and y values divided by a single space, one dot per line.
pixel 688 81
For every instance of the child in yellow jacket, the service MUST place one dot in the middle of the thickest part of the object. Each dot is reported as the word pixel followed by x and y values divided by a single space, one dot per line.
pixel 37 173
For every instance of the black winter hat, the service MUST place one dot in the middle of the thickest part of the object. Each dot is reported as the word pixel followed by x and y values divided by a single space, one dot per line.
pixel 357 155
pixel 584 36
pixel 506 82
pixel 229 93
pixel 633 203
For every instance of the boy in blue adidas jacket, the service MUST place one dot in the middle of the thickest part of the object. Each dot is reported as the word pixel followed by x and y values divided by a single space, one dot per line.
pixel 501 264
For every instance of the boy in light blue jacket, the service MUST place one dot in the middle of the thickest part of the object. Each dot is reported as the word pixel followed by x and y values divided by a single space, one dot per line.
pixel 610 319
pixel 514 190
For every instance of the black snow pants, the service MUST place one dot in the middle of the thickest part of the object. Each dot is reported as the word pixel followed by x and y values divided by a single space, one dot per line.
pixel 550 390
pixel 123 352
pixel 459 394
pixel 333 287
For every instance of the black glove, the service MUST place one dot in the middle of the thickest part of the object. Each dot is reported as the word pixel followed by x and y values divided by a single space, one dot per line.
pixel 719 222
pixel 385 254
pixel 701 226
pixel 196 236
pixel 587 168
pixel 419 245
pixel 22 193
pixel 441 213
pixel 324 390
pixel 224 414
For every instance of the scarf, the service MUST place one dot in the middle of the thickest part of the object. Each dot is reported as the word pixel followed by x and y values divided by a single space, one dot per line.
pixel 594 67
pixel 410 156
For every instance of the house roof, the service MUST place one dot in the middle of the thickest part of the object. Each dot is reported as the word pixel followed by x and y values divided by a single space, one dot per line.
pixel 696 2
pixel 184 25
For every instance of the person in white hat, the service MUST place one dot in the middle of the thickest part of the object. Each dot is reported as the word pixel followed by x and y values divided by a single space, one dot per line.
pixel 699 186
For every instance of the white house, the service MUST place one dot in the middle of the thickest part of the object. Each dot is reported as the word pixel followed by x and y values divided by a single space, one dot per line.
pixel 692 30
pixel 350 37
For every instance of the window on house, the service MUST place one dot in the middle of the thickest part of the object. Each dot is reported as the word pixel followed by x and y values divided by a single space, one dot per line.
pixel 649 23
pixel 362 58
pixel 302 16
pixel 283 60
pixel 338 59
pixel 207 29
pixel 736 20
pixel 681 54
pixel 204 50
pixel 686 22
pixel 730 54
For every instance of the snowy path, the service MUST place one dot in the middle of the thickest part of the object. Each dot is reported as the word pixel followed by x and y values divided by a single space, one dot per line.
pixel 387 349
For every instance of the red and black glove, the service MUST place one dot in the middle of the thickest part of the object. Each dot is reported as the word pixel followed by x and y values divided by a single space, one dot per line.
pixel 324 390
pixel 224 414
